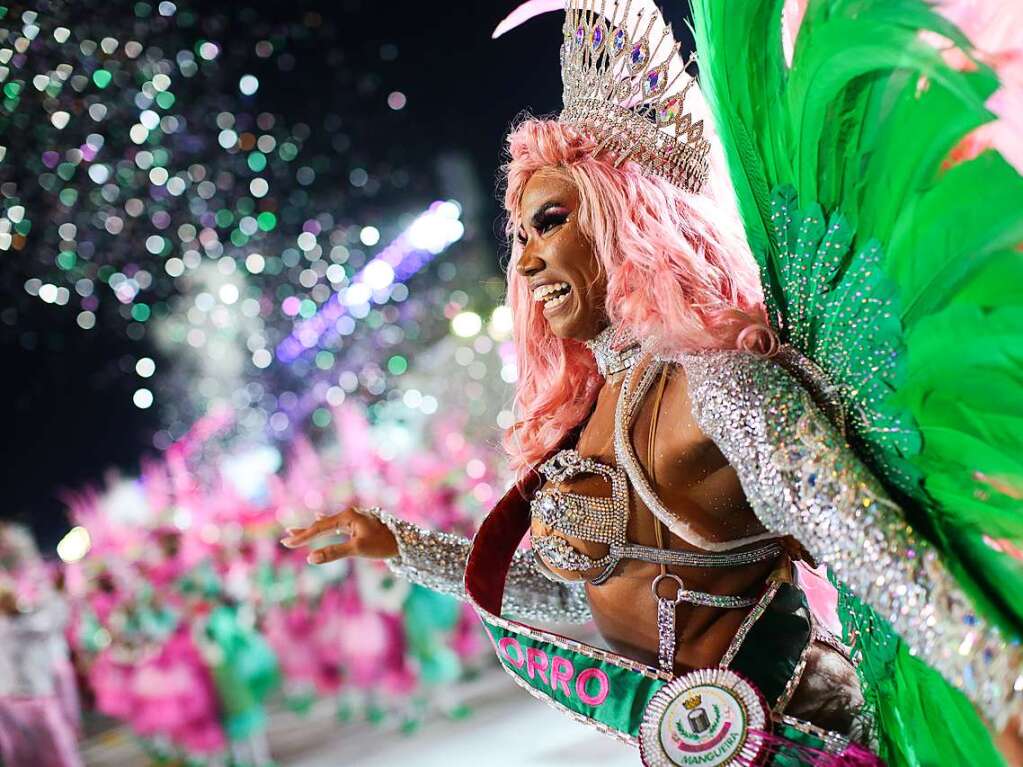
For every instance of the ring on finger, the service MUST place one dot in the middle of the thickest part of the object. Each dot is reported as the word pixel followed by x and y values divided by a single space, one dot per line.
pixel 347 530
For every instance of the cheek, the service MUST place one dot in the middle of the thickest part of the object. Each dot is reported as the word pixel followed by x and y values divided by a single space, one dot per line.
pixel 580 258
pixel 591 276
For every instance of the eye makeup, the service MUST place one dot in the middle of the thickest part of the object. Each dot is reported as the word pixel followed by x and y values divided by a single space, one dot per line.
pixel 550 214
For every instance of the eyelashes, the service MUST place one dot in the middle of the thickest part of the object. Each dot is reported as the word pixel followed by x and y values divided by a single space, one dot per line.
pixel 551 218
pixel 544 221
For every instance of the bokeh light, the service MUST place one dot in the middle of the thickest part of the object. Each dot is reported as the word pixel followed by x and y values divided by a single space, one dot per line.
pixel 466 324
pixel 74 545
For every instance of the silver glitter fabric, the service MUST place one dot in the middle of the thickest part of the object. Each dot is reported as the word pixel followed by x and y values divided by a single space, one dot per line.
pixel 802 479
pixel 437 560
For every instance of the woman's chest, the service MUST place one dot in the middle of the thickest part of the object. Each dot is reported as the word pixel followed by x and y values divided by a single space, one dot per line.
pixel 589 501
pixel 670 449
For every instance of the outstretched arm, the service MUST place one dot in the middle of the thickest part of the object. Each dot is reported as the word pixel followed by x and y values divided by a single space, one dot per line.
pixel 437 560
pixel 803 479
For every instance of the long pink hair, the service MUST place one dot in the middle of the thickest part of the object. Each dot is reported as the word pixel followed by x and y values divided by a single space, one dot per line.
pixel 680 278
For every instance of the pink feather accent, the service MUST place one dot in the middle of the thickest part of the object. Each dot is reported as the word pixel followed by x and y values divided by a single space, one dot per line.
pixel 791 18
pixel 821 596
pixel 525 12
pixel 852 755
pixel 995 29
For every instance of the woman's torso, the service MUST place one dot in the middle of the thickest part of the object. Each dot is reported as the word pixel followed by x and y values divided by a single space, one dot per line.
pixel 693 480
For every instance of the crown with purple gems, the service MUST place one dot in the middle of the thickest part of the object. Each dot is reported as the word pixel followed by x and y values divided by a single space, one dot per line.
pixel 625 82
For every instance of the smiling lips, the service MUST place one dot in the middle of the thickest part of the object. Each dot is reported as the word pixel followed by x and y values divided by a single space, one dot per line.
pixel 552 295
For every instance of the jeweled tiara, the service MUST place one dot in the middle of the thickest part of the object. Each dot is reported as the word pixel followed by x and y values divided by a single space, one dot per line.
pixel 625 83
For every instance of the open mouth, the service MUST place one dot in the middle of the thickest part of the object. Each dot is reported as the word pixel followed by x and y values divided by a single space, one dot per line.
pixel 552 295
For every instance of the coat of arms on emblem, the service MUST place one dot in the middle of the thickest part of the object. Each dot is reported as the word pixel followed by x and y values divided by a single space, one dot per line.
pixel 709 717
pixel 698 719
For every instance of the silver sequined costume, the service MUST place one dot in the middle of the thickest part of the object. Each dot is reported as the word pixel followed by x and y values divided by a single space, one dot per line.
pixel 437 560
pixel 801 479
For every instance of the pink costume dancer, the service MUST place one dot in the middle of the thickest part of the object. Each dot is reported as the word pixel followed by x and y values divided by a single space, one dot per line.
pixel 35 730
pixel 173 697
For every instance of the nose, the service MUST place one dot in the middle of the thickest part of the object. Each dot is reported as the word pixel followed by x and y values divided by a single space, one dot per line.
pixel 529 263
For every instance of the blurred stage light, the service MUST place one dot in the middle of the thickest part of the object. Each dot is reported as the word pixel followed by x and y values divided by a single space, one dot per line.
pixel 143 398
pixel 74 545
pixel 430 234
pixel 500 326
pixel 466 324
pixel 145 367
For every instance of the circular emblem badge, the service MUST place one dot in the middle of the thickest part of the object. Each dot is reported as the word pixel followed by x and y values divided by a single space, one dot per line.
pixel 710 717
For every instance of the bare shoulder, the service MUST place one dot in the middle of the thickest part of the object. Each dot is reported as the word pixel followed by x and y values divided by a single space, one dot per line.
pixel 668 396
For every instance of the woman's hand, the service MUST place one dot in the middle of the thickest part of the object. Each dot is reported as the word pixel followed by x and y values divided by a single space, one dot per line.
pixel 367 537
pixel 1010 742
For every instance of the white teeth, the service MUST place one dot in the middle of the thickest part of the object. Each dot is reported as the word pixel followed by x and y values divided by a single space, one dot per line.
pixel 541 293
pixel 556 301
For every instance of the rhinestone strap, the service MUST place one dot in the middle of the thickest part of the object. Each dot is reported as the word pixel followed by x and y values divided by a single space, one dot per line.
pixel 704 599
pixel 625 410
pixel 666 634
pixel 698 558
pixel 559 553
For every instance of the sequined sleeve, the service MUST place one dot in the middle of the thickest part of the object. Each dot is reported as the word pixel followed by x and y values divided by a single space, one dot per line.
pixel 437 560
pixel 802 479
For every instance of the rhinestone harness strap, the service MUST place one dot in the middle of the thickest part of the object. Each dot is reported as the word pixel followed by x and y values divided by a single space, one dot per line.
pixel 626 409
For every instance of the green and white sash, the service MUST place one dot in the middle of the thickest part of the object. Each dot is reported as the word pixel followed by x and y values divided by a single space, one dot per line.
pixel 617 695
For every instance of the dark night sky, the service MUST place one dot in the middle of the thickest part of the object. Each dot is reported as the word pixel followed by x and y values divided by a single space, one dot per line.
pixel 68 414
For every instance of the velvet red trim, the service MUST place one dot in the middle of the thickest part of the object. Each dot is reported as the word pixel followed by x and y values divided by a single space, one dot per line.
pixel 499 536
pixel 495 544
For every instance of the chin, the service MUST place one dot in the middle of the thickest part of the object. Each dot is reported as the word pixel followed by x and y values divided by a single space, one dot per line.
pixel 570 333
pixel 557 331
pixel 569 326
pixel 563 327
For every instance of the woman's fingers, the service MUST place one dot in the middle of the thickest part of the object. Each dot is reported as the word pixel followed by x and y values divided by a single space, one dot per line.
pixel 303 535
pixel 331 553
pixel 332 524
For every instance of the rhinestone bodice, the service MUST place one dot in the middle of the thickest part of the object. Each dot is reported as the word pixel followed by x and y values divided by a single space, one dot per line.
pixel 589 518
pixel 605 519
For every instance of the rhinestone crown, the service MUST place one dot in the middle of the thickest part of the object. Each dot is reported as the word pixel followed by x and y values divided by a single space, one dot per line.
pixel 625 82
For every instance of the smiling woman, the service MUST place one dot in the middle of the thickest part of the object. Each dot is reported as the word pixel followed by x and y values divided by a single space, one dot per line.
pixel 556 258
pixel 714 472
pixel 636 251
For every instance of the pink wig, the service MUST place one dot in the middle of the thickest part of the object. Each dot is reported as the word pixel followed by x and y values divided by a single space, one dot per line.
pixel 680 277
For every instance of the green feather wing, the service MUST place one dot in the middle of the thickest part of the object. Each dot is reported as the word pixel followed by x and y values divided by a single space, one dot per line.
pixel 899 275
